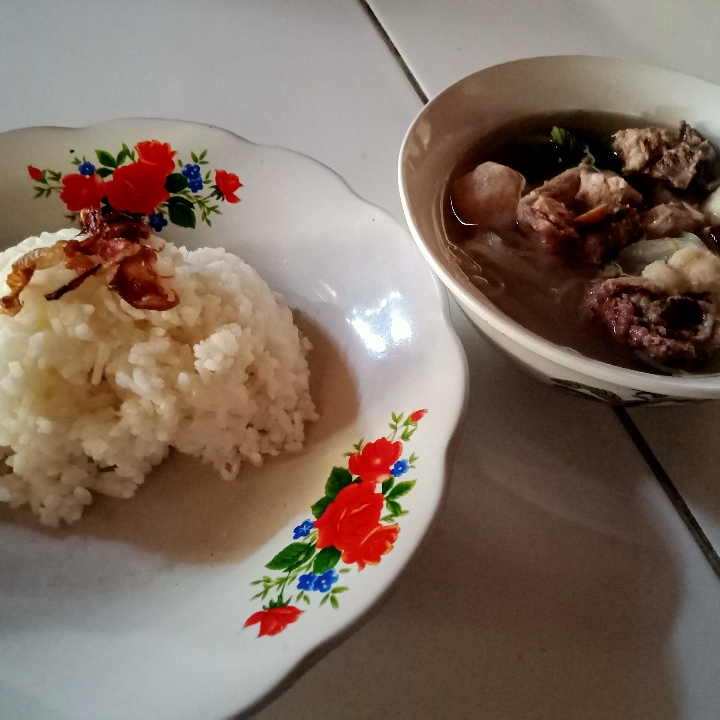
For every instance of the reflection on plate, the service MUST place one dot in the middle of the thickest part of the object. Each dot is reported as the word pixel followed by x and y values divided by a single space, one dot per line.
pixel 139 609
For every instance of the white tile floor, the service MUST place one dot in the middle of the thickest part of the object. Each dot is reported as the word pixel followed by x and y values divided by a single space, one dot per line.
pixel 444 41
pixel 559 581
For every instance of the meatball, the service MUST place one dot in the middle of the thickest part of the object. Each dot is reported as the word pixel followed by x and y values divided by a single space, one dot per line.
pixel 488 196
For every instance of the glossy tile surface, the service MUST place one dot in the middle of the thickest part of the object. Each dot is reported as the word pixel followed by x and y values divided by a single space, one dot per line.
pixel 443 42
pixel 685 440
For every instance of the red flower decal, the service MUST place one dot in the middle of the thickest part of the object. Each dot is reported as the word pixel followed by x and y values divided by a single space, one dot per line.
pixel 274 620
pixel 35 173
pixel 374 461
pixel 153 152
pixel 351 524
pixel 137 188
pixel 378 542
pixel 418 415
pixel 228 183
pixel 83 191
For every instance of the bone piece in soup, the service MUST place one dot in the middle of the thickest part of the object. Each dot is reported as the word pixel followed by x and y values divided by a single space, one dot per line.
pixel 666 327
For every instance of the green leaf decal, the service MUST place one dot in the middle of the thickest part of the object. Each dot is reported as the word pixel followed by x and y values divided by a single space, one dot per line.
pixel 180 212
pixel 176 182
pixel 402 488
pixel 387 485
pixel 394 507
pixel 320 506
pixel 334 602
pixel 339 478
pixel 180 201
pixel 327 558
pixel 291 556
pixel 106 159
pixel 104 172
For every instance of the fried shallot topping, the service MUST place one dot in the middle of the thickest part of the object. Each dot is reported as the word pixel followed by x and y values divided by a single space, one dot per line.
pixel 137 282
pixel 112 247
pixel 23 270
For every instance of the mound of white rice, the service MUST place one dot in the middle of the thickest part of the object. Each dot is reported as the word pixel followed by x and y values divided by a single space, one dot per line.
pixel 93 392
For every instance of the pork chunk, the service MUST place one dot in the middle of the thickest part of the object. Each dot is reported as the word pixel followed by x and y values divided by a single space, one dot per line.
pixel 666 327
pixel 563 187
pixel 548 220
pixel 670 220
pixel 488 196
pixel 639 147
pixel 612 234
pixel 662 155
pixel 605 188
pixel 582 200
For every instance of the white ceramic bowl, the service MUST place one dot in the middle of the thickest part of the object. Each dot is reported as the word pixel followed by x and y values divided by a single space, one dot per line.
pixel 479 104
pixel 146 608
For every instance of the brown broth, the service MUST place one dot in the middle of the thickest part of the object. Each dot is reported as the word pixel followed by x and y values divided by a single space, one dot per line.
pixel 542 292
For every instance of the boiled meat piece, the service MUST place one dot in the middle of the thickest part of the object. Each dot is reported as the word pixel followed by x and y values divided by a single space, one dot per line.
pixel 670 220
pixel 612 234
pixel 563 187
pixel 662 155
pixel 666 327
pixel 605 188
pixel 548 220
pixel 582 200
pixel 639 147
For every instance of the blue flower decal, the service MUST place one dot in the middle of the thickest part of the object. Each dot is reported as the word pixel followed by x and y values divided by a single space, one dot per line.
pixel 400 468
pixel 86 168
pixel 325 581
pixel 303 530
pixel 196 184
pixel 305 582
pixel 157 221
pixel 191 171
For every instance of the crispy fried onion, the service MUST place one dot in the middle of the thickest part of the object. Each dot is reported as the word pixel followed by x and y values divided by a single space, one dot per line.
pixel 113 248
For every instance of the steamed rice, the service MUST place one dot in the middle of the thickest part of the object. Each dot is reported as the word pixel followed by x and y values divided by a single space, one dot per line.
pixel 94 393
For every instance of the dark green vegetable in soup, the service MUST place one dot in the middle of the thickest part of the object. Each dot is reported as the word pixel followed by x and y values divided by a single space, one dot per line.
pixel 598 233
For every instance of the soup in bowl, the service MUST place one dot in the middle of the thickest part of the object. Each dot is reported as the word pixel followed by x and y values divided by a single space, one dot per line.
pixel 569 205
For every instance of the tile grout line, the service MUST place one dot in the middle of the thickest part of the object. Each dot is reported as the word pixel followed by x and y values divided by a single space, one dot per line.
pixel 670 490
pixel 632 430
pixel 395 52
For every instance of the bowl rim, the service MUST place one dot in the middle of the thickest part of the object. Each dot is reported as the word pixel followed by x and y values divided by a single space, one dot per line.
pixel 708 385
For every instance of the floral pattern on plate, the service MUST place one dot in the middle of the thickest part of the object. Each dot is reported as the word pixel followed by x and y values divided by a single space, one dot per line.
pixel 149 180
pixel 349 528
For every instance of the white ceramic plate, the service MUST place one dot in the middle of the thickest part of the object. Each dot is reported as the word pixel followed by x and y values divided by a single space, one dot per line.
pixel 139 610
